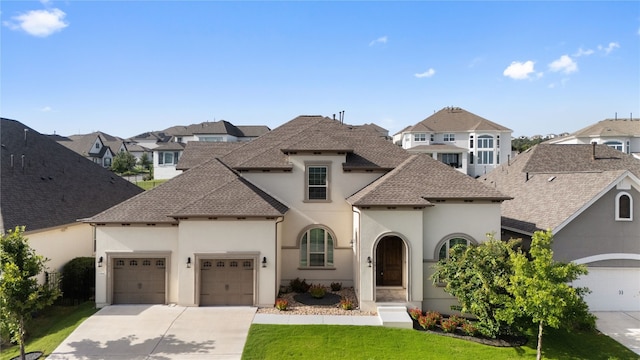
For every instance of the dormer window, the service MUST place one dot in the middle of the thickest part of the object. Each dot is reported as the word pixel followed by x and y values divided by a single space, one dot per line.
pixel 624 207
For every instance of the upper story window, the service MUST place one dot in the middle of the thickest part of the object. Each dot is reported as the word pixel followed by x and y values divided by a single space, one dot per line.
pixel 624 207
pixel 317 183
pixel 432 137
pixel 211 138
pixel 449 137
pixel 471 142
pixel 485 142
pixel 168 157
pixel 420 137
pixel 614 144
pixel 628 147
pixel 316 248
pixel 498 142
pixel 447 244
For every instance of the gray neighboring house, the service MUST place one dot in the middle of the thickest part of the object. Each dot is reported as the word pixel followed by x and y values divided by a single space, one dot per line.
pixel 620 134
pixel 100 147
pixel 47 188
pixel 465 141
pixel 589 197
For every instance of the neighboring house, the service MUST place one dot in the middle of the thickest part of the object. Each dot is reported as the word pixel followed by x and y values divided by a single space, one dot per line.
pixel 97 146
pixel 46 187
pixel 589 197
pixel 467 142
pixel 168 144
pixel 313 199
pixel 620 134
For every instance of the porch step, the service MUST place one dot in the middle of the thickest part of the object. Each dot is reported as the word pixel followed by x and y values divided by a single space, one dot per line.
pixel 395 316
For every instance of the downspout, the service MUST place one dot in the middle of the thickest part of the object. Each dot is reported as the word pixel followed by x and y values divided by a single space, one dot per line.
pixel 275 255
pixel 358 252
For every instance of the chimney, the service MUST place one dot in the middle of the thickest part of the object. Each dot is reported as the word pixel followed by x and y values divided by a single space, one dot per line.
pixel 593 150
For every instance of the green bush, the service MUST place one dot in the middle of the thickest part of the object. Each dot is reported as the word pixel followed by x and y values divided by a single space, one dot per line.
pixel 79 279
pixel 317 291
pixel 336 286
pixel 299 286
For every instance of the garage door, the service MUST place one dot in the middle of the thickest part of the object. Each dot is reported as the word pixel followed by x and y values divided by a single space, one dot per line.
pixel 612 289
pixel 226 282
pixel 139 281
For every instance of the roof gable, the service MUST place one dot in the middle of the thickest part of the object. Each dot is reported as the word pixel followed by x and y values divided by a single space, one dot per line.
pixel 455 119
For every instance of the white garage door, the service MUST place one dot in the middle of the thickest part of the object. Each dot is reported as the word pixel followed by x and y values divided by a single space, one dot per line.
pixel 139 281
pixel 226 282
pixel 612 289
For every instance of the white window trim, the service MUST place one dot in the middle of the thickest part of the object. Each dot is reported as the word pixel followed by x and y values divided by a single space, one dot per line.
pixel 423 137
pixel 307 165
pixel 449 137
pixel 617 204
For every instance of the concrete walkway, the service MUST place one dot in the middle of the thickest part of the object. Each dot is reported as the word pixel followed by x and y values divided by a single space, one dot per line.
pixel 159 332
pixel 624 327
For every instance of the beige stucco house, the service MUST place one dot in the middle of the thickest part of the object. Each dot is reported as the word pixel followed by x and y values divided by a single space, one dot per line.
pixel 313 199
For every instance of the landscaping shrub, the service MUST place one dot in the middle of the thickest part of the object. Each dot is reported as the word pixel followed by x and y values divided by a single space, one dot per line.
pixel 299 286
pixel 282 304
pixel 458 320
pixel 79 279
pixel 429 320
pixel 336 286
pixel 415 313
pixel 448 325
pixel 317 291
pixel 346 304
pixel 469 328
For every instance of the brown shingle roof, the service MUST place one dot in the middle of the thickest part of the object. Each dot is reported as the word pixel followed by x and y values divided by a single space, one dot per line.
pixel 210 189
pixel 456 120
pixel 611 127
pixel 198 152
pixel 421 179
pixel 562 179
pixel 56 187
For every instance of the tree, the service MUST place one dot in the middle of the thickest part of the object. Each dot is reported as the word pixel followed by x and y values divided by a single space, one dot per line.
pixel 123 162
pixel 20 293
pixel 478 276
pixel 145 162
pixel 541 290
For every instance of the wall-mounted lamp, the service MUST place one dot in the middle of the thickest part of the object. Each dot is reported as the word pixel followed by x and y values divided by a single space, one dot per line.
pixel 188 262
pixel 100 261
pixel 369 260
pixel 264 261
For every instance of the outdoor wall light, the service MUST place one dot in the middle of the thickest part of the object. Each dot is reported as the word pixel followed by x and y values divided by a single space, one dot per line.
pixel 264 262
pixel 100 261
pixel 188 262
pixel 369 260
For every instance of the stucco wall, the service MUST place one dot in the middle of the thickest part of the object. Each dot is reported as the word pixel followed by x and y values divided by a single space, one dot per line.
pixel 115 240
pixel 595 231
pixel 61 244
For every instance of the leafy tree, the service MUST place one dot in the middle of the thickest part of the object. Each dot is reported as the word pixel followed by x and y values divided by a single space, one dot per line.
pixel 145 162
pixel 123 162
pixel 20 293
pixel 479 276
pixel 541 290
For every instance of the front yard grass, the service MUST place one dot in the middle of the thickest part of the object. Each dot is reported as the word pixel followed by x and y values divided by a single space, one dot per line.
pixel 50 328
pixel 150 184
pixel 375 342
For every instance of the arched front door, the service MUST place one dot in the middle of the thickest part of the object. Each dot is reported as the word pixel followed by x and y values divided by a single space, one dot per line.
pixel 389 262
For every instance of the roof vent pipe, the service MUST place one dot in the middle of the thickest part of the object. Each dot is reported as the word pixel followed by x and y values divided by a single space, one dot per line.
pixel 593 151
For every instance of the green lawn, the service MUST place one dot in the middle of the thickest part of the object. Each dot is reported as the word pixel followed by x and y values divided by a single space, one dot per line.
pixel 150 184
pixel 51 327
pixel 374 342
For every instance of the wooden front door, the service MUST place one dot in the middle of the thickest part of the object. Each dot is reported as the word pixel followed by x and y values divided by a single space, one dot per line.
pixel 389 262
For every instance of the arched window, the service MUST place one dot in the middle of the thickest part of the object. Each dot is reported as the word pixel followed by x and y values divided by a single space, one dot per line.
pixel 624 207
pixel 316 248
pixel 485 149
pixel 444 247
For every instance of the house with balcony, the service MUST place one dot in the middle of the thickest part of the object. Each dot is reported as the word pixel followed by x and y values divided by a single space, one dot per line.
pixel 465 141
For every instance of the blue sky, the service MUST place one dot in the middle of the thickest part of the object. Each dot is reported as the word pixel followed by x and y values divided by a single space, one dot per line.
pixel 126 67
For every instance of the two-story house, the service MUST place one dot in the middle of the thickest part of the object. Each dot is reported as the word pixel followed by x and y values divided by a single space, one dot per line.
pixel 313 199
pixel 620 134
pixel 467 142
pixel 97 146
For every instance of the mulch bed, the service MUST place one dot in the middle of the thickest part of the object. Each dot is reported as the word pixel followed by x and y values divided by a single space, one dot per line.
pixel 504 341
pixel 327 299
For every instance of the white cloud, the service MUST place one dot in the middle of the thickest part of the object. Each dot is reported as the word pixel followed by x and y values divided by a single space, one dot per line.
pixel 519 70
pixel 426 74
pixel 609 48
pixel 46 109
pixel 380 40
pixel 564 64
pixel 582 52
pixel 40 23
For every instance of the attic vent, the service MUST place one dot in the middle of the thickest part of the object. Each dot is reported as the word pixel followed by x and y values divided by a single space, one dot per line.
pixel 468 201
pixel 317 153
pixel 551 179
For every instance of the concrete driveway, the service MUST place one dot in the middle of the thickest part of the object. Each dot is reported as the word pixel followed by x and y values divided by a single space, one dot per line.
pixel 159 332
pixel 624 327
